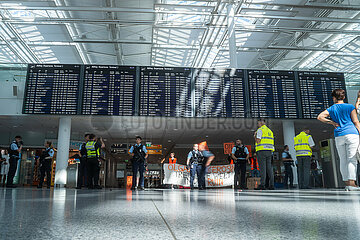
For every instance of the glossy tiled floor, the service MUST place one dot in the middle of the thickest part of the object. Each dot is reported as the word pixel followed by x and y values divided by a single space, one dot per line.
pixel 27 213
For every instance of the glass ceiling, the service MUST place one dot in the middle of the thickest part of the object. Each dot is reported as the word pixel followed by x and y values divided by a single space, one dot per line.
pixel 268 34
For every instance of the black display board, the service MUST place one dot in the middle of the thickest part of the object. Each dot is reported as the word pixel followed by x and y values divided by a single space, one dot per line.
pixel 177 92
pixel 219 93
pixel 52 89
pixel 109 90
pixel 165 91
pixel 315 91
pixel 273 94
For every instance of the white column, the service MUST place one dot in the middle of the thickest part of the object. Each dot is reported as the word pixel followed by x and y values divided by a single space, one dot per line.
pixel 62 155
pixel 231 34
pixel 289 134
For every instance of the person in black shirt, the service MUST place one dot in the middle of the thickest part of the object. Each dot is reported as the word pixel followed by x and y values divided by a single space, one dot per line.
pixel 240 154
pixel 288 163
pixel 82 174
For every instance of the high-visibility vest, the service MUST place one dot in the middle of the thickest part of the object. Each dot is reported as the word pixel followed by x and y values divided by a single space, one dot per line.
pixel 254 160
pixel 267 140
pixel 302 146
pixel 172 161
pixel 91 151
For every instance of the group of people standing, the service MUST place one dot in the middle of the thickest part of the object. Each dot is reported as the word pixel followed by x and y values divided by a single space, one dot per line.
pixel 90 160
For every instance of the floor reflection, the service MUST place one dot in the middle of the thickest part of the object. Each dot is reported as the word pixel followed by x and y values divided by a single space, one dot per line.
pixel 163 214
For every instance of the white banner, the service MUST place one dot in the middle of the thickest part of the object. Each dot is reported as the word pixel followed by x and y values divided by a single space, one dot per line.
pixel 216 176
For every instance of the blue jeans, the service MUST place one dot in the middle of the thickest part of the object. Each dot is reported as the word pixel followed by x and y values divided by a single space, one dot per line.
pixel 200 171
pixel 138 166
pixel 255 173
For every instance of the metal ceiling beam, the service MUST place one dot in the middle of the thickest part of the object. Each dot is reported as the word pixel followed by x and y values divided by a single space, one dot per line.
pixel 150 22
pixel 300 18
pixel 322 6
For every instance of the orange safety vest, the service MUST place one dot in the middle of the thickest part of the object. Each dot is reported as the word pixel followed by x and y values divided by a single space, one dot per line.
pixel 252 164
pixel 172 161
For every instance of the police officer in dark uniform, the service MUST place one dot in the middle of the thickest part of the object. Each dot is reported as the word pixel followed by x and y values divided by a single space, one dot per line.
pixel 45 165
pixel 194 163
pixel 197 161
pixel 82 176
pixel 92 161
pixel 240 154
pixel 15 153
pixel 139 155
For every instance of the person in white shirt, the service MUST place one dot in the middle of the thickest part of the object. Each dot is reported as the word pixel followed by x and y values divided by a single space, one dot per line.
pixel 4 166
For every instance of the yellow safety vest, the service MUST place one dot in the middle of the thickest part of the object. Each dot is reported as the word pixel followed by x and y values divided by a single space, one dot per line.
pixel 302 146
pixel 267 140
pixel 91 151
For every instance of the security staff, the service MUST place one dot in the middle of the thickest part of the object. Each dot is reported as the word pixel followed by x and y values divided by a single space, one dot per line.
pixel 15 154
pixel 82 177
pixel 288 163
pixel 45 165
pixel 264 147
pixel 303 143
pixel 92 161
pixel 139 155
pixel 240 154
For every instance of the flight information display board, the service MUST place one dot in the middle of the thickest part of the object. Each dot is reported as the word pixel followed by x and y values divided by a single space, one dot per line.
pixel 109 90
pixel 52 89
pixel 273 94
pixel 165 91
pixel 219 93
pixel 315 91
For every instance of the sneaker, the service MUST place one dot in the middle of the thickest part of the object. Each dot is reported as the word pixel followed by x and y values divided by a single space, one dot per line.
pixel 351 188
pixel 133 188
pixel 270 188
pixel 141 188
pixel 97 187
pixel 78 187
pixel 39 186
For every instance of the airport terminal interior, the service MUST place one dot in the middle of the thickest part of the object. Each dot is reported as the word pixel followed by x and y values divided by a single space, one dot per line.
pixel 169 119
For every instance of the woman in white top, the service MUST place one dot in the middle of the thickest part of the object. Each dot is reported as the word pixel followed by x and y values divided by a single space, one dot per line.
pixel 4 166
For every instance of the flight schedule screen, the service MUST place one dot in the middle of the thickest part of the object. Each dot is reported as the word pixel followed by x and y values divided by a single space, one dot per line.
pixel 109 90
pixel 165 91
pixel 219 93
pixel 273 94
pixel 315 91
pixel 52 89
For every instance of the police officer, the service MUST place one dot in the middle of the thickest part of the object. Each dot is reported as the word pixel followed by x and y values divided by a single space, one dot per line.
pixel 15 153
pixel 45 165
pixel 264 147
pixel 288 163
pixel 92 160
pixel 139 155
pixel 82 177
pixel 240 154
pixel 197 161
pixel 194 161
pixel 303 143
